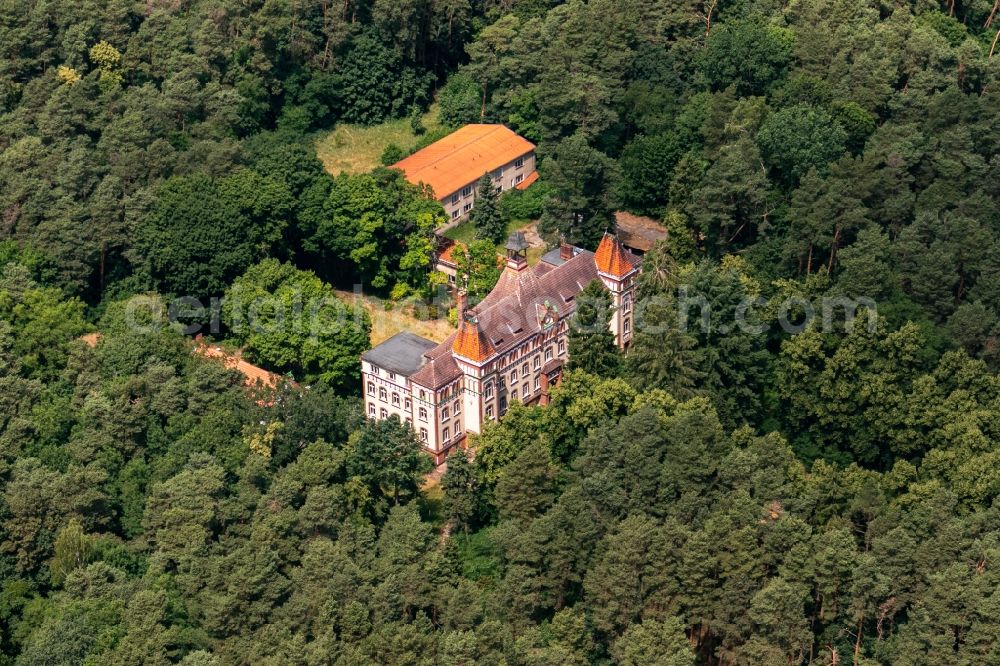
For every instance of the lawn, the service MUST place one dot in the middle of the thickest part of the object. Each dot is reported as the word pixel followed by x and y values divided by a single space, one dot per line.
pixel 358 149
pixel 399 317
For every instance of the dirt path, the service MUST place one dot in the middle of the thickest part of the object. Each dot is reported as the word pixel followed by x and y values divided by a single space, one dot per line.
pixel 531 235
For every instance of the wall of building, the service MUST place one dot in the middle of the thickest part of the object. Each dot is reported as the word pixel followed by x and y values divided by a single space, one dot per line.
pixel 458 204
pixel 386 393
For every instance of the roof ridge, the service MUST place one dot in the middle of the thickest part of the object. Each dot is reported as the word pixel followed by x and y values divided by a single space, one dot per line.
pixel 493 128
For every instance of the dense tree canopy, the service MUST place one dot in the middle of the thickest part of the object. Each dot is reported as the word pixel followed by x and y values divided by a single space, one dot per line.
pixel 745 485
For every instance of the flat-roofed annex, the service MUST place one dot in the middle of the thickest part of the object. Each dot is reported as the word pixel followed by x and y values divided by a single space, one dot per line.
pixel 462 157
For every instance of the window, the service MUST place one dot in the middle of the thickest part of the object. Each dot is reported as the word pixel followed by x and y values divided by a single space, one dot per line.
pixel 519 162
pixel 548 353
pixel 503 382
pixel 519 178
pixel 498 173
pixel 488 391
pixel 524 370
pixel 628 325
pixel 423 394
pixel 524 390
pixel 627 305
pixel 395 399
pixel 562 347
pixel 408 403
pixel 466 191
pixel 444 435
pixel 456 407
pixel 409 421
pixel 444 413
pixel 454 214
pixel 503 405
pixel 374 369
pixel 489 412
pixel 423 413
pixel 371 410
pixel 538 383
pixel 381 394
pixel 537 362
pixel 382 414
pixel 467 207
pixel 371 388
pixel 392 376
pixel 513 396
pixel 513 375
pixel 454 198
pixel 423 434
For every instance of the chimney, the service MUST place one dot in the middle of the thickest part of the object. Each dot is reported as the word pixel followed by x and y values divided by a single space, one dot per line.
pixel 565 250
pixel 459 305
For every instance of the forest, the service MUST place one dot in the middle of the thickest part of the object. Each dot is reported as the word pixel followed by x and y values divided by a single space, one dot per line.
pixel 822 497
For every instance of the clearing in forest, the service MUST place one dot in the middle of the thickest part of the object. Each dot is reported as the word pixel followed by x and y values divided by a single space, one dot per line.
pixel 400 317
pixel 358 149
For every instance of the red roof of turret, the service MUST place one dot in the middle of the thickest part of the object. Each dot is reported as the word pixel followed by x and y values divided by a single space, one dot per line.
pixel 612 258
pixel 472 343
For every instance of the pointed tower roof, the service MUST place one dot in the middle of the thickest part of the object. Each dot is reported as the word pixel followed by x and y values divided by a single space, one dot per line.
pixel 471 342
pixel 612 258
pixel 516 242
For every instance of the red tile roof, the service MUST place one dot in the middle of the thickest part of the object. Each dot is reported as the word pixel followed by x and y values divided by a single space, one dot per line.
pixel 522 304
pixel 472 343
pixel 612 258
pixel 463 157
pixel 440 368
pixel 447 255
pixel 532 177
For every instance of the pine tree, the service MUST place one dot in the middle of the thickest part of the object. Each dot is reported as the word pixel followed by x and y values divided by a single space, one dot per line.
pixel 486 214
pixel 461 497
pixel 591 343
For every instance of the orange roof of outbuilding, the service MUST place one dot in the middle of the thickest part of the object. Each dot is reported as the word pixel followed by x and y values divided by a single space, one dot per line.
pixel 471 342
pixel 612 258
pixel 463 157
pixel 523 185
pixel 447 255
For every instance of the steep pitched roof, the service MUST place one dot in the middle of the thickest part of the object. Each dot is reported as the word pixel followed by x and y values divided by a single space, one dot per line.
pixel 522 304
pixel 439 366
pixel 472 343
pixel 613 259
pixel 463 156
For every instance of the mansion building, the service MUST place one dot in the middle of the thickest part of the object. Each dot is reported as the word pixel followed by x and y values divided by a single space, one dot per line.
pixel 510 347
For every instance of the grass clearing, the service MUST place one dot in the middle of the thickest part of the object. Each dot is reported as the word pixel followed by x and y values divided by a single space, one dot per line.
pixel 399 317
pixel 358 149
